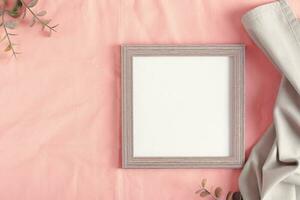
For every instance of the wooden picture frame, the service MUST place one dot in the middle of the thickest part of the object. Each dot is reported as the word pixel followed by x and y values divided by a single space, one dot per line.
pixel 137 61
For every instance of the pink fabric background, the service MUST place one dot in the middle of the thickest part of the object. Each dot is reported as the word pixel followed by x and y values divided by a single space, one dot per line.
pixel 60 101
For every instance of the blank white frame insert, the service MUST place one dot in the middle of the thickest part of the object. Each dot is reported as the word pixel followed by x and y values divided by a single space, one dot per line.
pixel 182 106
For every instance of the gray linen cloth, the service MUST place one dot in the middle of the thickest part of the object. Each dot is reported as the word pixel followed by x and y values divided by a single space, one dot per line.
pixel 272 171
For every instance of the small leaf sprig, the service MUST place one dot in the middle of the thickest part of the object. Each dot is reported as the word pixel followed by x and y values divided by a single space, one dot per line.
pixel 204 192
pixel 8 25
pixel 216 193
pixel 36 17
pixel 17 14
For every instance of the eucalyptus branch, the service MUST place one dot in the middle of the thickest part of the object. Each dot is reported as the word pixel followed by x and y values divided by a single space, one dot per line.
pixel 18 13
pixel 205 192
pixel 216 193
pixel 35 16
pixel 7 34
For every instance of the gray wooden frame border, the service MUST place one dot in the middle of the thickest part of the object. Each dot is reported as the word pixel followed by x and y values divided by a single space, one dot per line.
pixel 236 159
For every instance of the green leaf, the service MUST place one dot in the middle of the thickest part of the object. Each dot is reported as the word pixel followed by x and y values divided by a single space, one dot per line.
pixel 42 13
pixel 32 3
pixel 19 3
pixel 10 24
pixel 16 11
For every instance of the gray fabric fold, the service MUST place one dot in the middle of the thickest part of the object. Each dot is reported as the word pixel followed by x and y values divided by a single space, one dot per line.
pixel 272 170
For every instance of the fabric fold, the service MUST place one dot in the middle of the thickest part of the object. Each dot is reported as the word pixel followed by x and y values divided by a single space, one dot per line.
pixel 272 170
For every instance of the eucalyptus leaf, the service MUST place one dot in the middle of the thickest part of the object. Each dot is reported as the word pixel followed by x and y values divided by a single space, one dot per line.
pixel 32 3
pixel 19 4
pixel 203 182
pixel 12 34
pixel 10 24
pixel 42 13
pixel 229 196
pixel 2 39
pixel 8 48
pixel 198 191
pixel 218 192
pixel 204 193
pixel 16 11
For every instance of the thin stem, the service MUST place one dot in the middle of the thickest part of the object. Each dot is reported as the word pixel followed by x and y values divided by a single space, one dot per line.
pixel 212 196
pixel 36 17
pixel 7 34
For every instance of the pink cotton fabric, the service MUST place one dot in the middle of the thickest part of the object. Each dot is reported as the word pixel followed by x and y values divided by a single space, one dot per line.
pixel 60 136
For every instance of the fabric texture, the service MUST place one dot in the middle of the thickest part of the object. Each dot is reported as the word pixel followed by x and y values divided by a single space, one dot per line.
pixel 272 171
pixel 60 133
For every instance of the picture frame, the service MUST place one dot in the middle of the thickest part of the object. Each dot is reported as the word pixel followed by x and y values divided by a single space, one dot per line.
pixel 175 97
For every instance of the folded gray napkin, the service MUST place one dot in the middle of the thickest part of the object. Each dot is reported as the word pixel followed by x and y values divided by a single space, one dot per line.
pixel 272 170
